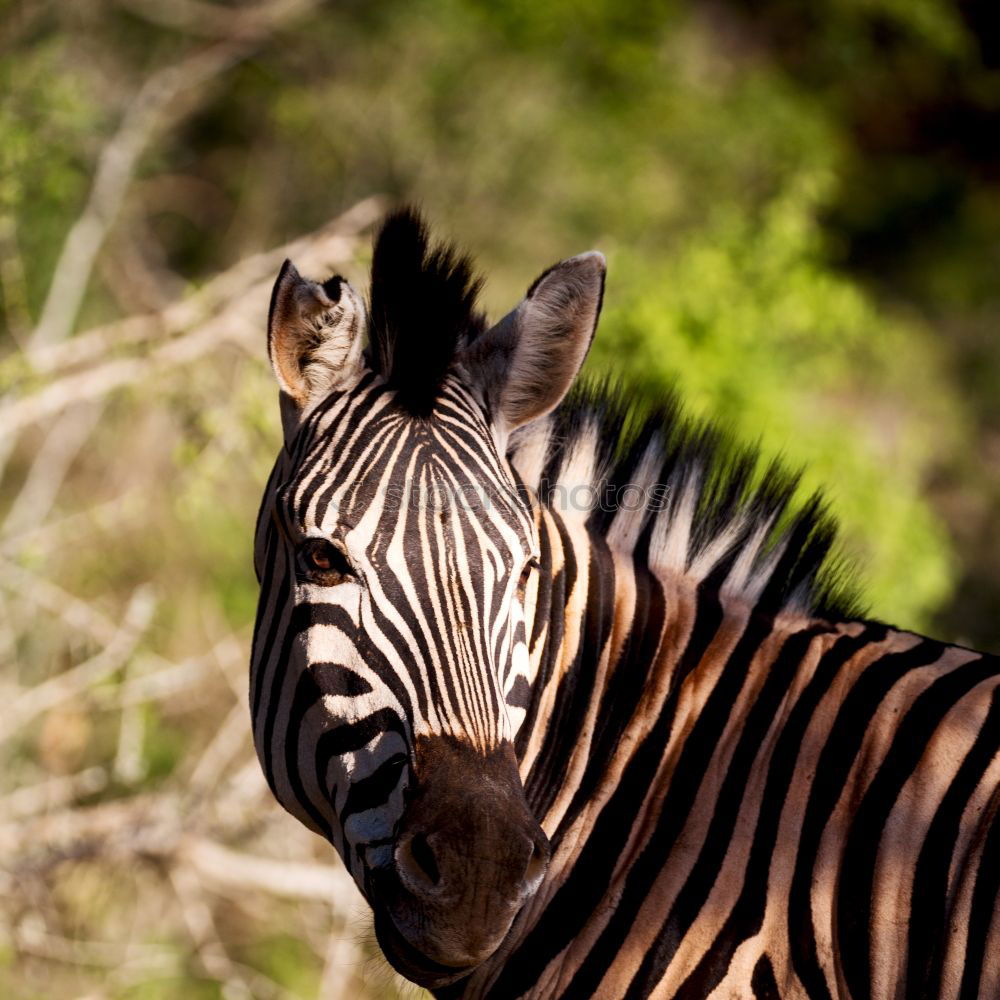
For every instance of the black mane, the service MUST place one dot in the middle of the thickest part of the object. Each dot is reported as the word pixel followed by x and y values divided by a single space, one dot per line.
pixel 422 309
pixel 736 496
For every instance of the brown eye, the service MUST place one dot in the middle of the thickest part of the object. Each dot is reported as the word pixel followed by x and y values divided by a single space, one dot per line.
pixel 322 562
pixel 319 558
pixel 522 582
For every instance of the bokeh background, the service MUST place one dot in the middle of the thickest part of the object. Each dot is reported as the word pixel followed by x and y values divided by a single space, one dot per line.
pixel 800 205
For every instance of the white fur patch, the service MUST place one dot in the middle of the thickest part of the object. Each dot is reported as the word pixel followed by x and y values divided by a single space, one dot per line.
pixel 634 499
pixel 671 540
pixel 529 447
pixel 576 491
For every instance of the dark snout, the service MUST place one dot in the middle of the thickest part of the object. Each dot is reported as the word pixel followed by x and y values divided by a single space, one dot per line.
pixel 468 855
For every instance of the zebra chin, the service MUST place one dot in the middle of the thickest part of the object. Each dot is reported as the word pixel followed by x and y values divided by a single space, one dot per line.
pixel 410 962
pixel 428 950
pixel 468 854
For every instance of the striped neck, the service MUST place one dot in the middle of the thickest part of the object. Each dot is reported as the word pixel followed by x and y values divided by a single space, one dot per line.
pixel 611 644
pixel 593 609
pixel 602 631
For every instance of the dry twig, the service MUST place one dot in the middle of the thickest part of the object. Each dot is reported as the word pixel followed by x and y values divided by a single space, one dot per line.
pixel 238 320
pixel 77 679
pixel 148 112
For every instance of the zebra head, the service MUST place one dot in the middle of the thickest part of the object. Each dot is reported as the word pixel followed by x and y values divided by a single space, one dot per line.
pixel 393 548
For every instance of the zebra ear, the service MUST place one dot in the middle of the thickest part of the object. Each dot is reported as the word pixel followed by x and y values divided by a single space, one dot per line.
pixel 527 362
pixel 314 336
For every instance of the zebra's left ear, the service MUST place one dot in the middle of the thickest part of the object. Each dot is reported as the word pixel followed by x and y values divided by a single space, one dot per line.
pixel 315 334
pixel 525 365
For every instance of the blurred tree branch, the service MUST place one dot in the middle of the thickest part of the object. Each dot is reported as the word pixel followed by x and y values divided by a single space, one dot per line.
pixel 157 102
pixel 333 245
pixel 238 298
pixel 74 681
pixel 195 17
pixel 63 441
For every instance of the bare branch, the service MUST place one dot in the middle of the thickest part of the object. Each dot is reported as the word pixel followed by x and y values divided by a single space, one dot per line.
pixel 130 764
pixel 195 17
pixel 53 793
pixel 170 680
pixel 208 833
pixel 239 321
pixel 142 824
pixel 329 247
pixel 35 940
pixel 114 171
pixel 201 928
pixel 77 614
pixel 65 438
pixel 232 739
pixel 233 871
pixel 146 115
pixel 115 512
pixel 50 693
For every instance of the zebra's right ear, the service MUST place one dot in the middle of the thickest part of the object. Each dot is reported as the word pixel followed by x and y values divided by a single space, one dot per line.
pixel 525 365
pixel 315 334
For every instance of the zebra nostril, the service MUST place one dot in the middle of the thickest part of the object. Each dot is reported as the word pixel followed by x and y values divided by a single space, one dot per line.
pixel 424 856
pixel 536 867
pixel 415 858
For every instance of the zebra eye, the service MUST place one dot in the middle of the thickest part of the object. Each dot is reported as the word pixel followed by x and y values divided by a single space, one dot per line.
pixel 522 582
pixel 320 561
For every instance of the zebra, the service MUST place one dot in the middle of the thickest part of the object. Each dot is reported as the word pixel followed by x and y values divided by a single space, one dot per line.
pixel 579 692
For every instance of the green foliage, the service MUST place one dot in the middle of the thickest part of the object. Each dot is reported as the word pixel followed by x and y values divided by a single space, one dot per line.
pixel 164 745
pixel 287 960
pixel 760 333
pixel 49 114
pixel 173 988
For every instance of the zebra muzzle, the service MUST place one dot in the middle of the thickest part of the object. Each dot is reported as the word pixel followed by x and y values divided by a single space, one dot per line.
pixel 468 855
